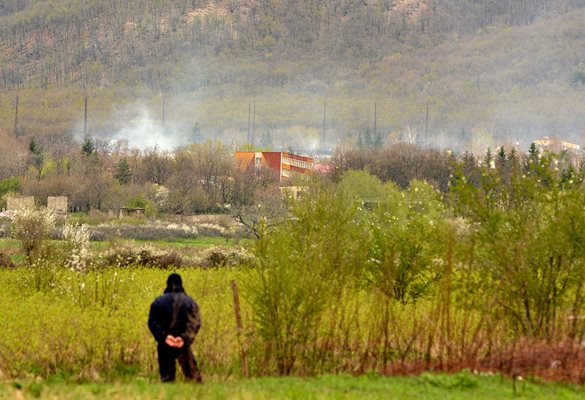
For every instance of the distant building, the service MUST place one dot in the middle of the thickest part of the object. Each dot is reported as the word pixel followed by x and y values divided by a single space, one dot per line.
pixel 283 163
pixel 556 145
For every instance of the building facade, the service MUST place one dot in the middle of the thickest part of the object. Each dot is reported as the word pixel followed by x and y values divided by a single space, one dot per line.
pixel 283 163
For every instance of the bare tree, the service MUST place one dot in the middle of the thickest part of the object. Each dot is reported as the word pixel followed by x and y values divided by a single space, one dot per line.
pixel 157 166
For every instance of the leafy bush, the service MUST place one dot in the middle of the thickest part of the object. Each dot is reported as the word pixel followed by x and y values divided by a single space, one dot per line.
pixel 529 243
pixel 8 185
pixel 403 252
pixel 302 268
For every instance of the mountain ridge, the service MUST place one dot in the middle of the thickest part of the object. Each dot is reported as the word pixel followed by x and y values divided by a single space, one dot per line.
pixel 496 84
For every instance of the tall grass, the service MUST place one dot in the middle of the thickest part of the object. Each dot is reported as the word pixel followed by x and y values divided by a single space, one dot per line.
pixel 407 283
pixel 92 324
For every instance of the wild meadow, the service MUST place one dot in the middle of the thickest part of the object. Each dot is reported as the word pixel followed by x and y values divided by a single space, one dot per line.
pixel 361 277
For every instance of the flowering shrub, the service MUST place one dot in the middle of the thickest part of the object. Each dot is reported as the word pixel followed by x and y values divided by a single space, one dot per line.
pixel 31 226
pixel 76 239
pixel 219 256
pixel 161 197
pixel 145 255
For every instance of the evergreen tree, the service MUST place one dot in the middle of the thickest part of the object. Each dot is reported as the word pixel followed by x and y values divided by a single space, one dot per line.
pixel 501 158
pixel 36 155
pixel 123 172
pixel 33 147
pixel 489 159
pixel 533 154
pixel 88 146
pixel 513 157
pixel 470 168
pixel 569 175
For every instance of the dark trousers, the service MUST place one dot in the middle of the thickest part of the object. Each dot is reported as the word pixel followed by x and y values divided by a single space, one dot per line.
pixel 167 357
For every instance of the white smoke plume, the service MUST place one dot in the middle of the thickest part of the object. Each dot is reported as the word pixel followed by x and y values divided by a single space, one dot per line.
pixel 141 130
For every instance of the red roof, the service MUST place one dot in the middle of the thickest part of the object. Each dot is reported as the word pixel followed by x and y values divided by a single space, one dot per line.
pixel 323 168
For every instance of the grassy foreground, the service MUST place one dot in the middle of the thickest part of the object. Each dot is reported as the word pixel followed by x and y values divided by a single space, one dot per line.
pixel 463 385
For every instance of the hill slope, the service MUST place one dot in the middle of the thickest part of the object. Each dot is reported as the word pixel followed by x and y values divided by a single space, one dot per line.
pixel 502 71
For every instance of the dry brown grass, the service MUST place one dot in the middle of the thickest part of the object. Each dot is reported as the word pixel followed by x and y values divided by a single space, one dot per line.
pixel 562 361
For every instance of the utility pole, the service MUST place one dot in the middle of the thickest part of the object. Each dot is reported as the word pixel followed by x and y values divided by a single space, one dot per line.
pixel 375 119
pixel 249 123
pixel 253 123
pixel 324 134
pixel 427 122
pixel 85 116
pixel 16 117
pixel 164 105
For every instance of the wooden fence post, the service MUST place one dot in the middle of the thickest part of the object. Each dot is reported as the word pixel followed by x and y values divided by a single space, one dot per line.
pixel 243 353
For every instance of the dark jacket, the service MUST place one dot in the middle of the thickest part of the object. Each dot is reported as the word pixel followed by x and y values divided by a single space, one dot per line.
pixel 182 309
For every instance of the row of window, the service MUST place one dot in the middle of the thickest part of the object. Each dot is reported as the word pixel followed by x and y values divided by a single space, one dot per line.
pixel 297 163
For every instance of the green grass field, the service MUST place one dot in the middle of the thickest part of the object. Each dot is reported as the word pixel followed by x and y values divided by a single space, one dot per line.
pixel 82 335
pixel 463 385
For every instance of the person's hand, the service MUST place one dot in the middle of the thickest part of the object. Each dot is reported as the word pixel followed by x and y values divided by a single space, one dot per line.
pixel 174 341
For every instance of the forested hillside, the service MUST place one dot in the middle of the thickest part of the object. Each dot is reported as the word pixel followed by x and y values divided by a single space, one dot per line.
pixel 485 70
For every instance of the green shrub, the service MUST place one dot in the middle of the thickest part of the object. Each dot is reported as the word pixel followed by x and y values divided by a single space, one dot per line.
pixel 8 185
pixel 301 269
pixel 528 236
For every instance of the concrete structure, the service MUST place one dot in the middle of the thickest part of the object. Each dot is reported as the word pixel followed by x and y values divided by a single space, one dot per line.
pixel 131 211
pixel 59 204
pixel 283 163
pixel 18 203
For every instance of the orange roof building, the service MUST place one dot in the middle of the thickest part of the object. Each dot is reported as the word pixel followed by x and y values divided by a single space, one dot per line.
pixel 286 164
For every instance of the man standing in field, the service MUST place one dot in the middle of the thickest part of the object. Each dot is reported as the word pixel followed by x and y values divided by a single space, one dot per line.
pixel 174 322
